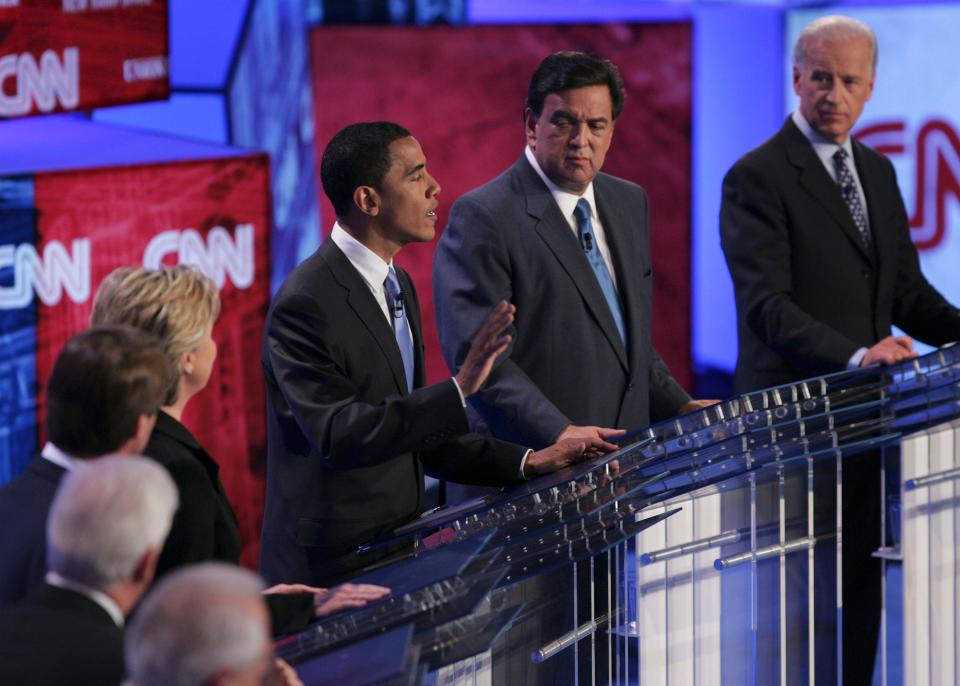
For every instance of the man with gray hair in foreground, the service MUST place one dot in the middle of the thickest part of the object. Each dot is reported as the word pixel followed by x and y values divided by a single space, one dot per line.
pixel 205 625
pixel 107 525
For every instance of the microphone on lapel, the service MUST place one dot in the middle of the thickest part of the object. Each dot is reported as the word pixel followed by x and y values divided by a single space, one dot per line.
pixel 586 240
pixel 397 307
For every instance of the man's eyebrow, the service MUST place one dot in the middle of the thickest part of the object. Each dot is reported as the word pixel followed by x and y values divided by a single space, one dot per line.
pixel 563 114
pixel 414 170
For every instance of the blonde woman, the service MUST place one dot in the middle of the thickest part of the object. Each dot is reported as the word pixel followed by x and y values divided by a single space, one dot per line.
pixel 179 305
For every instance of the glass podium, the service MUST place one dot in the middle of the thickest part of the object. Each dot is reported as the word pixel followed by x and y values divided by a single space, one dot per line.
pixel 707 550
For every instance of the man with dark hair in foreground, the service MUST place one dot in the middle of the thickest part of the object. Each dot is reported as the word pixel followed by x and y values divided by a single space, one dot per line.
pixel 102 397
pixel 351 425
pixel 569 245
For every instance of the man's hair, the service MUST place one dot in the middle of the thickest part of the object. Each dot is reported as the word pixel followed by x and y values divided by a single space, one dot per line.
pixel 562 71
pixel 357 155
pixel 834 27
pixel 178 305
pixel 102 381
pixel 105 517
pixel 196 622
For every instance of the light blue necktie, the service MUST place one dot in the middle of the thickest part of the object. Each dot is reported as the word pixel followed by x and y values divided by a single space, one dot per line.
pixel 401 325
pixel 590 249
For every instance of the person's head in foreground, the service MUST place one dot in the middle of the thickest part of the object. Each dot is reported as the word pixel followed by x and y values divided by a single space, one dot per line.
pixel 204 625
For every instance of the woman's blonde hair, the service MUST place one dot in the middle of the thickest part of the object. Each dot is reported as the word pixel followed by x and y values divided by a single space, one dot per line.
pixel 176 304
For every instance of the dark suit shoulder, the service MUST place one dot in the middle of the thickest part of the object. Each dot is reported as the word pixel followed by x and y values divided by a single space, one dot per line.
pixel 495 188
pixel 26 500
pixel 56 636
pixel 618 184
pixel 308 275
pixel 768 155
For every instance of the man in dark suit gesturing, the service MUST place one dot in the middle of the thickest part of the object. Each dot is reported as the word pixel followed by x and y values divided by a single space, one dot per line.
pixel 351 424
pixel 817 241
pixel 569 246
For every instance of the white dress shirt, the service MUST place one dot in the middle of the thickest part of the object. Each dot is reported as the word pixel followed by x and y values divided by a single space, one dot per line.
pixel 568 203
pixel 58 457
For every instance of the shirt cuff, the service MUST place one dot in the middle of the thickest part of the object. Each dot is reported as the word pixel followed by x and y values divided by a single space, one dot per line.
pixel 463 400
pixel 523 463
pixel 856 359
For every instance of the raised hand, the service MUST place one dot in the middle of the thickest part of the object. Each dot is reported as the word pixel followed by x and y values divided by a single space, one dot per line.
pixel 489 342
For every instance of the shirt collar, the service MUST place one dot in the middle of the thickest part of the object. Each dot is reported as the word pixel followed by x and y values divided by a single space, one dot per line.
pixel 566 200
pixel 108 604
pixel 372 268
pixel 60 458
pixel 824 148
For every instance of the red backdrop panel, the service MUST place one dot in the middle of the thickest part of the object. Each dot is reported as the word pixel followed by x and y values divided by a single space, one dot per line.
pixel 120 210
pixel 119 51
pixel 461 92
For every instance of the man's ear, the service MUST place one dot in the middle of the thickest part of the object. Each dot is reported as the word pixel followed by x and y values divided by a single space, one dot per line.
pixel 147 566
pixel 367 200
pixel 530 126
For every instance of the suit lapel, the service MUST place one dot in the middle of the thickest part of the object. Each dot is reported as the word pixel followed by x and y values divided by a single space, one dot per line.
pixel 625 254
pixel 368 311
pixel 872 185
pixel 555 232
pixel 818 184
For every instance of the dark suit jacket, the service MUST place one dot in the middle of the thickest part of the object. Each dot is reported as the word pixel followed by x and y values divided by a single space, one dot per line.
pixel 24 505
pixel 508 240
pixel 348 442
pixel 58 637
pixel 808 293
pixel 205 524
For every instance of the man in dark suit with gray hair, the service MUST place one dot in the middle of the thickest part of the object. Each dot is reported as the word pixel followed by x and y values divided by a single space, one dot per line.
pixel 817 240
pixel 106 529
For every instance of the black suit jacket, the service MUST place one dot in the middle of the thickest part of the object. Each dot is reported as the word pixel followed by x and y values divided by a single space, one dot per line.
pixel 205 524
pixel 508 240
pixel 808 293
pixel 348 442
pixel 24 505
pixel 57 637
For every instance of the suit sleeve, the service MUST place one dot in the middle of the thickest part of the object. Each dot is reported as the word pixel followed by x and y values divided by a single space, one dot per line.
pixel 666 395
pixel 472 272
pixel 918 307
pixel 755 236
pixel 475 459
pixel 307 355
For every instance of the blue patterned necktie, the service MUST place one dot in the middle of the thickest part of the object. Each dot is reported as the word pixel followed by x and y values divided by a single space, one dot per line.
pixel 848 189
pixel 590 249
pixel 401 325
